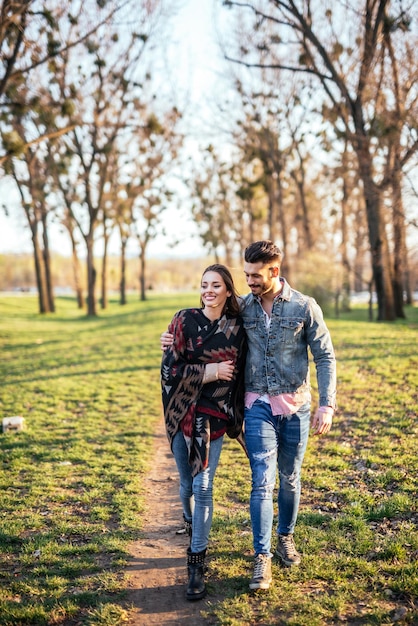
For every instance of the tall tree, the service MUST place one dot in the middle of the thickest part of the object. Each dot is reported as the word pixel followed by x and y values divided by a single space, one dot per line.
pixel 29 170
pixel 33 34
pixel 346 64
pixel 34 202
pixel 219 206
pixel 275 136
pixel 139 192
pixel 155 163
pixel 37 39
pixel 107 93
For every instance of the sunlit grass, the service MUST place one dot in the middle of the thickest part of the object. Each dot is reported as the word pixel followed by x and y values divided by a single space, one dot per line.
pixel 70 483
pixel 71 493
pixel 357 528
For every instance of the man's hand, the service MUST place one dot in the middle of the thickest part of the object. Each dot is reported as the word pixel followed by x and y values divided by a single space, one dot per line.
pixel 166 340
pixel 322 420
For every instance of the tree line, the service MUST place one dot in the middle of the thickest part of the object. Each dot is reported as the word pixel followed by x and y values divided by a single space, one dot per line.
pixel 346 72
pixel 83 142
pixel 313 137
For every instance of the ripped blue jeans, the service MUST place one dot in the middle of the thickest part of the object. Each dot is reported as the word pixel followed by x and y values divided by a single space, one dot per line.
pixel 274 442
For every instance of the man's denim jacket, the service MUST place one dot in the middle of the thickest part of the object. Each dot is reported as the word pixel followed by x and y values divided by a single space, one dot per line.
pixel 277 360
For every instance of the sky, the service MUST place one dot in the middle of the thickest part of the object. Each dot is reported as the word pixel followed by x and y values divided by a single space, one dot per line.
pixel 192 56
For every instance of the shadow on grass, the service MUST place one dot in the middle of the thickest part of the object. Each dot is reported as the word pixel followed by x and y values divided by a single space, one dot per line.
pixel 106 317
pixel 133 369
pixel 66 577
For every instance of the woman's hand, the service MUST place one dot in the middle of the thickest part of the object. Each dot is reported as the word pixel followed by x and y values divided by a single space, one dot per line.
pixel 218 371
pixel 226 370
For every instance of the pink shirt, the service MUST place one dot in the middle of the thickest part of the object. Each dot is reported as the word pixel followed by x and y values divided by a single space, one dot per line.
pixel 283 404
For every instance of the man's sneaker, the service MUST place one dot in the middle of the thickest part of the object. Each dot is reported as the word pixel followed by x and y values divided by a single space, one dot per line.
pixel 286 550
pixel 262 572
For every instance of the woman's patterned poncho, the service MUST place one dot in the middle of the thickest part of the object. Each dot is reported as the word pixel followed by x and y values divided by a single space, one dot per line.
pixel 198 341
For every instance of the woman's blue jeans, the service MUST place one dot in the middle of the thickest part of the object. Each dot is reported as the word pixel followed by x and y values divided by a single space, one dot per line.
pixel 274 442
pixel 196 493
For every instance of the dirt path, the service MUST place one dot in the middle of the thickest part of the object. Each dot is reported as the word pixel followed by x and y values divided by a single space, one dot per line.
pixel 157 571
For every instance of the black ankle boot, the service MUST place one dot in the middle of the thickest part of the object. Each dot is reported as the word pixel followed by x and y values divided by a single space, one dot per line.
pixel 188 527
pixel 196 589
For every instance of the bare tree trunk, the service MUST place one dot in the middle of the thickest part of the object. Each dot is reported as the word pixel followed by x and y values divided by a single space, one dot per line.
pixel 400 260
pixel 47 265
pixel 122 285
pixel 77 274
pixel 408 288
pixel 377 236
pixel 91 278
pixel 370 308
pixel 251 223
pixel 346 287
pixel 103 299
pixel 272 210
pixel 360 263
pixel 299 178
pixel 284 231
pixel 35 217
pixel 39 274
pixel 142 291
pixel 306 224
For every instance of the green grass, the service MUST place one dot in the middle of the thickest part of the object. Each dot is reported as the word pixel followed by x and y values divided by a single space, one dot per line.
pixel 71 491
pixel 357 527
pixel 70 483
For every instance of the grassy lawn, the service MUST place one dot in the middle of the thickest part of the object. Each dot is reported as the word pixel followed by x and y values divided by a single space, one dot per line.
pixel 70 483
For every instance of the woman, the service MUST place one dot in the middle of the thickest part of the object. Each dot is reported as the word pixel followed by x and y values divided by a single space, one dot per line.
pixel 203 398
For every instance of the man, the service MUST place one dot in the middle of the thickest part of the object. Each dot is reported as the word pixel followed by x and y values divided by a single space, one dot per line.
pixel 281 324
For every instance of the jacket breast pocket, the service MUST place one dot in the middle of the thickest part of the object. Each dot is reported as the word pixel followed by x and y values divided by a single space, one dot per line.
pixel 256 331
pixel 291 329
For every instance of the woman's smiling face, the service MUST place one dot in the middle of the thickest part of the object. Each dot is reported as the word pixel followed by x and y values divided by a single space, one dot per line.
pixel 213 291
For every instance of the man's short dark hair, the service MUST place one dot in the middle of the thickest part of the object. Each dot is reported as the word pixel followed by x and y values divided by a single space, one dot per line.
pixel 265 251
